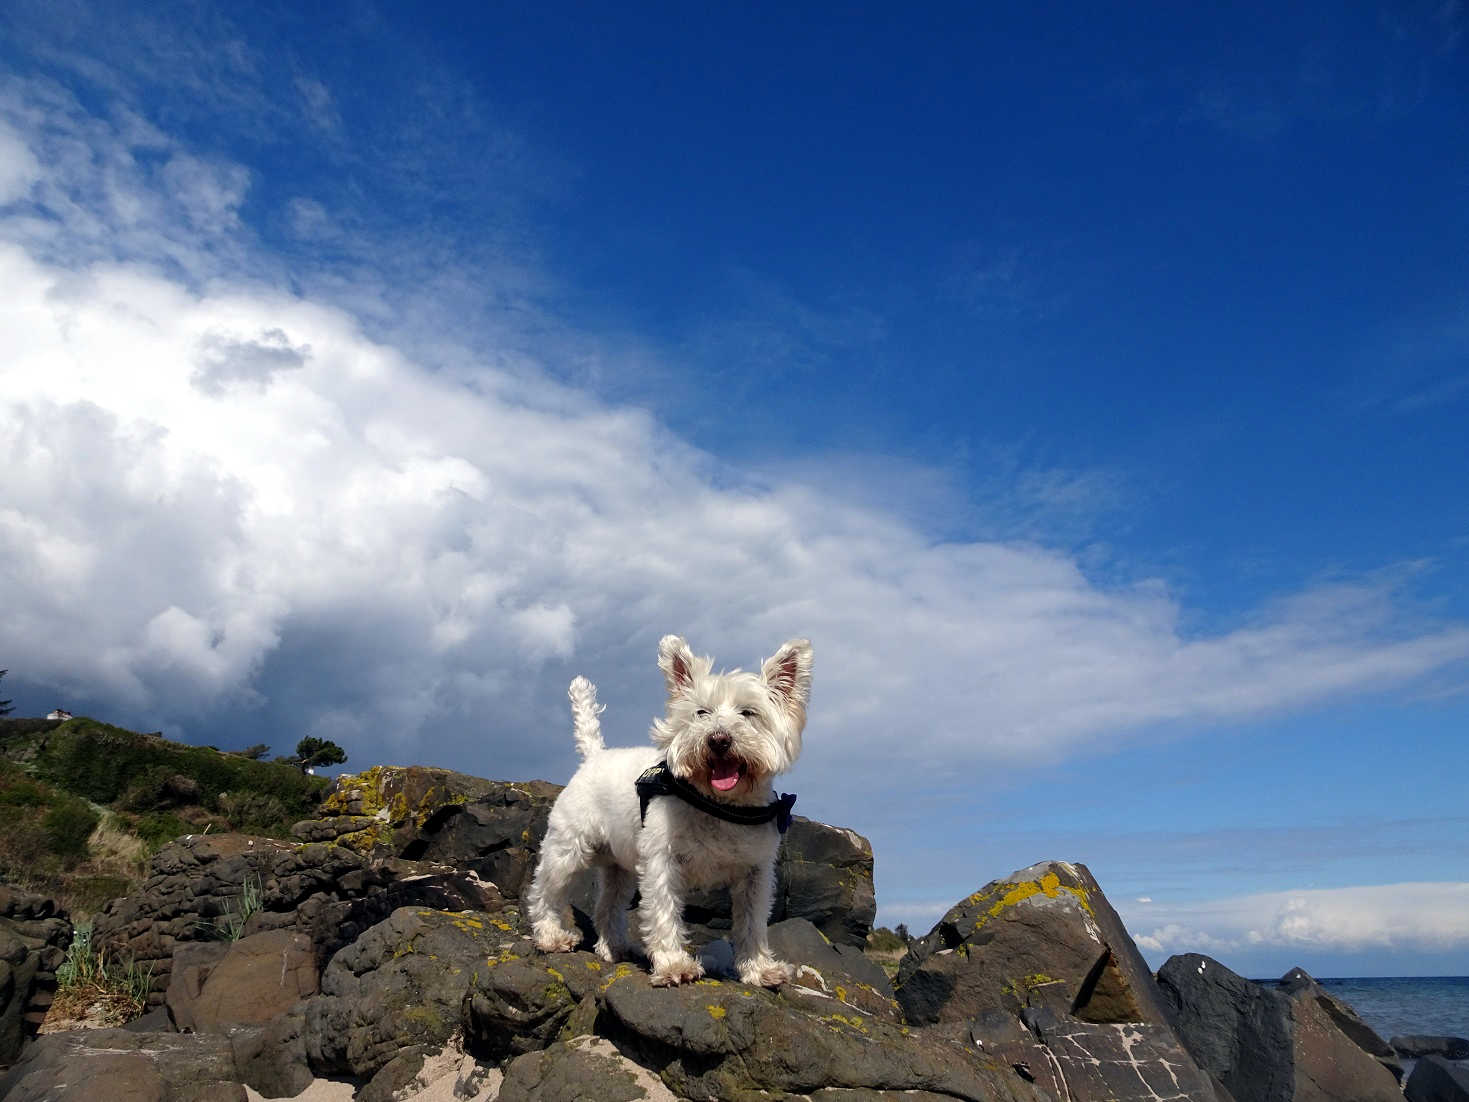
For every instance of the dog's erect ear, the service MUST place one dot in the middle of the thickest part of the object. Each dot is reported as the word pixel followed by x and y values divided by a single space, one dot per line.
pixel 678 664
pixel 787 672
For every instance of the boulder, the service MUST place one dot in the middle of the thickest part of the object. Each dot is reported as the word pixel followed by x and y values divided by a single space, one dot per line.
pixel 1417 1044
pixel 95 1064
pixel 586 1068
pixel 400 984
pixel 718 1040
pixel 824 875
pixel 258 979
pixel 1238 1030
pixel 496 835
pixel 192 964
pixel 34 936
pixel 1267 1043
pixel 1042 949
pixel 272 1058
pixel 1301 988
pixel 384 807
pixel 827 971
pixel 1435 1079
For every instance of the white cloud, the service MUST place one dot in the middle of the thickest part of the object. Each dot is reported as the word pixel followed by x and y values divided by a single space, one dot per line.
pixel 205 475
pixel 209 192
pixel 1427 917
pixel 19 168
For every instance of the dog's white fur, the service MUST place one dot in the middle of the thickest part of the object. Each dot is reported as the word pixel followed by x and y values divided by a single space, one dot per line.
pixel 595 822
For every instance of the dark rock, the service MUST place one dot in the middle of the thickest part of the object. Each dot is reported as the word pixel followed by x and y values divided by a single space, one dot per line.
pixel 333 923
pixel 1417 1044
pixel 1320 1018
pixel 192 963
pixel 1266 1044
pixel 835 971
pixel 1236 1029
pixel 713 1040
pixel 258 979
pixel 588 1069
pixel 201 887
pixel 400 984
pixel 1043 947
pixel 1435 1079
pixel 196 887
pixel 155 1021
pixel 272 1058
pixel 333 827
pixel 34 936
pixel 399 1072
pixel 523 999
pixel 824 875
pixel 390 804
pixel 179 789
pixel 496 835
pixel 91 1065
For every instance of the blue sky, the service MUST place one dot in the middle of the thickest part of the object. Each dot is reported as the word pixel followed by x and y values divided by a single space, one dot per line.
pixel 1089 385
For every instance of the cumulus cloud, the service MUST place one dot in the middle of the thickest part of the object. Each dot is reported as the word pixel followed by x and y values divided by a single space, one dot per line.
pixel 227 503
pixel 1413 916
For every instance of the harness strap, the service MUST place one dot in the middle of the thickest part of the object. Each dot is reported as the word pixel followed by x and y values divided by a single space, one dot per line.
pixel 660 781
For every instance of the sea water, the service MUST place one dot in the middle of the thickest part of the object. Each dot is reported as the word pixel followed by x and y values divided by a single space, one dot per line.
pixel 1433 1005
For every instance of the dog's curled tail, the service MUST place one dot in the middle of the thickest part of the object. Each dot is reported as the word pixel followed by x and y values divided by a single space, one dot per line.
pixel 584 713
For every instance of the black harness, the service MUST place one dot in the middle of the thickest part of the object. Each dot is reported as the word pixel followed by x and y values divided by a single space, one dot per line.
pixel 660 781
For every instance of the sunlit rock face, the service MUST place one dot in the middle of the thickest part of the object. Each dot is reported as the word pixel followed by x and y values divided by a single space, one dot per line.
pixel 1041 973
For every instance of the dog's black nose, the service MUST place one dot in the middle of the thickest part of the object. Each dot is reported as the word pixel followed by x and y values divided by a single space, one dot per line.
pixel 720 742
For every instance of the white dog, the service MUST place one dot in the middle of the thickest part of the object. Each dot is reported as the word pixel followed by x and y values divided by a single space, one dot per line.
pixel 707 818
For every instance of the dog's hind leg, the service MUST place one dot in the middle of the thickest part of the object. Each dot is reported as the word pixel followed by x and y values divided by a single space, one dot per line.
pixel 616 892
pixel 547 902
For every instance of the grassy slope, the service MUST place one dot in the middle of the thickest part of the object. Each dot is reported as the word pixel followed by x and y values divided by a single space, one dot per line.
pixel 83 803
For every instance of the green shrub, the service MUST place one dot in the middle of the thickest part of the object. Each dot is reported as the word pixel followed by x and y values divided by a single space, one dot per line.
pixel 158 828
pixel 68 825
pixel 109 765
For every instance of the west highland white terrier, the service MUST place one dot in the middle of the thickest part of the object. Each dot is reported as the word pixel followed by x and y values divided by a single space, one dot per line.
pixel 693 810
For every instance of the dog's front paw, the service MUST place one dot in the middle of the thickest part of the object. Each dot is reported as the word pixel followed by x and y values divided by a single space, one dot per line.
pixel 676 970
pixel 766 972
pixel 556 940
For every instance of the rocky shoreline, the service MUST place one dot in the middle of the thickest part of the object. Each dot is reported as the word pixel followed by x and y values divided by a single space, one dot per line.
pixel 382 956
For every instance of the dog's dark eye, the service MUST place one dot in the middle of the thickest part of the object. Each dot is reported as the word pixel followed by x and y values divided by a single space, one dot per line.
pixel 748 713
pixel 702 712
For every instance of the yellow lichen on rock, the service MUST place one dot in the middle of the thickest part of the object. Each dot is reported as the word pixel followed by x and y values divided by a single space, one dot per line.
pixel 1048 885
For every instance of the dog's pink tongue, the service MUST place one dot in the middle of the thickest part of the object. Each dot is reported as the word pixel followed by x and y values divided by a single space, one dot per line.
pixel 724 775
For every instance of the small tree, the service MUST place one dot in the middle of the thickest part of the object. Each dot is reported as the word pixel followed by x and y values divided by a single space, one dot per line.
pixel 5 705
pixel 256 752
pixel 312 751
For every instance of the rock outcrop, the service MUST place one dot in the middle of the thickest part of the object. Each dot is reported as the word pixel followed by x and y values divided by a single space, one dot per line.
pixel 203 888
pixel 1436 1079
pixel 386 949
pixel 95 1064
pixel 1040 971
pixel 34 935
pixel 1306 993
pixel 1415 1045
pixel 1274 1045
